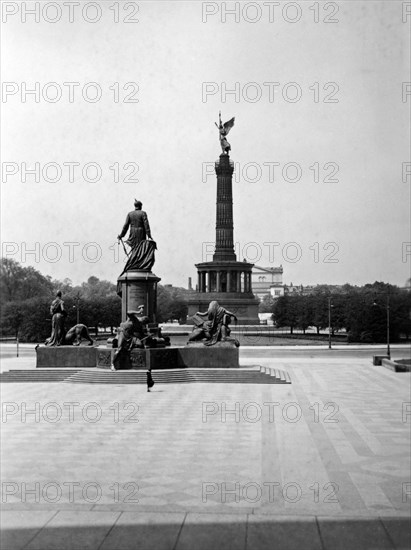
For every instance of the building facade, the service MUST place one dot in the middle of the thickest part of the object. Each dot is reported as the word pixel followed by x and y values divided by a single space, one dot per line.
pixel 267 280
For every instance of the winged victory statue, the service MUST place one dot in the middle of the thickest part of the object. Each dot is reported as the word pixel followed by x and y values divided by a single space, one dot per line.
pixel 223 131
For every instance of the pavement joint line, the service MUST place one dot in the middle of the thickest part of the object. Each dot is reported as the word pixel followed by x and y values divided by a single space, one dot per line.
pixel 319 533
pixel 40 529
pixel 180 531
pixel 109 531
pixel 387 533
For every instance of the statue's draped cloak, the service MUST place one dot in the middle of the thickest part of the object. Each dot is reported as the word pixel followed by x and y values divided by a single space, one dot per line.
pixel 141 259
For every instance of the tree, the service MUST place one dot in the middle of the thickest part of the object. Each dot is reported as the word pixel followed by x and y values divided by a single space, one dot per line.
pixel 303 312
pixel 338 319
pixel 267 304
pixel 171 303
pixel 95 287
pixel 11 274
pixel 111 312
pixel 12 315
pixel 28 319
pixel 285 312
pixel 21 283
pixel 319 305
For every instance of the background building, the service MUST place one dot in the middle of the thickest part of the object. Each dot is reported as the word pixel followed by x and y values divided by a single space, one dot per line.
pixel 267 280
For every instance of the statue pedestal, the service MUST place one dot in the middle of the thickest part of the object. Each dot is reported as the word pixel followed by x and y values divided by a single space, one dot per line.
pixel 194 355
pixel 223 355
pixel 79 357
pixel 138 288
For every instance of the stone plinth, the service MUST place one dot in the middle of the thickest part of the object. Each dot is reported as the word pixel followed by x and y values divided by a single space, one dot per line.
pixel 138 288
pixel 196 354
pixel 161 358
pixel 66 357
pixel 395 366
pixel 377 359
pixel 223 355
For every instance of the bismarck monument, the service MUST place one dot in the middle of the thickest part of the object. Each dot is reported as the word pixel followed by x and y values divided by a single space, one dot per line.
pixel 137 285
pixel 225 279
pixel 224 294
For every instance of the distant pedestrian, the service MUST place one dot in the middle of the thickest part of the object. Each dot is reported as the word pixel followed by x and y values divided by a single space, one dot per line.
pixel 150 381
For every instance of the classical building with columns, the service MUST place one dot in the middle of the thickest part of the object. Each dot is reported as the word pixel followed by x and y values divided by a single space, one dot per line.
pixel 224 278
pixel 267 280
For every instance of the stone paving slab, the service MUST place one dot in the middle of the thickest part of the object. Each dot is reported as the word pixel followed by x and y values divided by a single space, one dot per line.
pixel 77 530
pixel 205 531
pixel 144 530
pixel 361 534
pixel 19 528
pixel 283 532
pixel 399 531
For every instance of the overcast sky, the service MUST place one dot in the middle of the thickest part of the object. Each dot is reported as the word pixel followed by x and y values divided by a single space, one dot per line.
pixel 345 219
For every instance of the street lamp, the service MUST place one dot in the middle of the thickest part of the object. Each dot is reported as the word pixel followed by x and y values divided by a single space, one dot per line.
pixel 387 307
pixel 77 308
pixel 329 321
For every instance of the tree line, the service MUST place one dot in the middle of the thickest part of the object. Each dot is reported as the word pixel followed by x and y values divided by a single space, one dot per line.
pixel 359 311
pixel 26 296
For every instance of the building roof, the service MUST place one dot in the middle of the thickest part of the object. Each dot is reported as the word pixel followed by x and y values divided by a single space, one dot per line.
pixel 268 269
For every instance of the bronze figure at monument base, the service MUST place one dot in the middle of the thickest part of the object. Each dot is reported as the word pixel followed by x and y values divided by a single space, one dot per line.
pixel 133 334
pixel 58 318
pixel 75 335
pixel 59 337
pixel 213 325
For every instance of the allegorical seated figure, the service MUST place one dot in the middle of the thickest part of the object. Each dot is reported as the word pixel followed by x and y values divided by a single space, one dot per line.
pixel 132 334
pixel 213 325
pixel 76 334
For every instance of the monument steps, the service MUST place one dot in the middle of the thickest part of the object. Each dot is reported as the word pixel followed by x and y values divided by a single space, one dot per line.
pixel 277 373
pixel 263 375
pixel 43 375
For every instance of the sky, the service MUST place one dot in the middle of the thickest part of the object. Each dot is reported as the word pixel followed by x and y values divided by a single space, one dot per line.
pixel 321 141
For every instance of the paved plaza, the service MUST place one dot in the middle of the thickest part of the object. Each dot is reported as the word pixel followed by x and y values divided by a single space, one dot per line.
pixel 322 463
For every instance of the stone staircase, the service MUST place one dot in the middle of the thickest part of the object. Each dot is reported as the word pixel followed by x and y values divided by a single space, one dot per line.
pixel 253 375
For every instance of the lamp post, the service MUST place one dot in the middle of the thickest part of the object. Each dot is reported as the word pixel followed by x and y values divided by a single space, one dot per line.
pixel 77 308
pixel 388 327
pixel 329 321
pixel 387 308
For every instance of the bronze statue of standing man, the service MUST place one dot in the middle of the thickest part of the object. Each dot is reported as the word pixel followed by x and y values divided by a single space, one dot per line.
pixel 141 255
pixel 137 221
